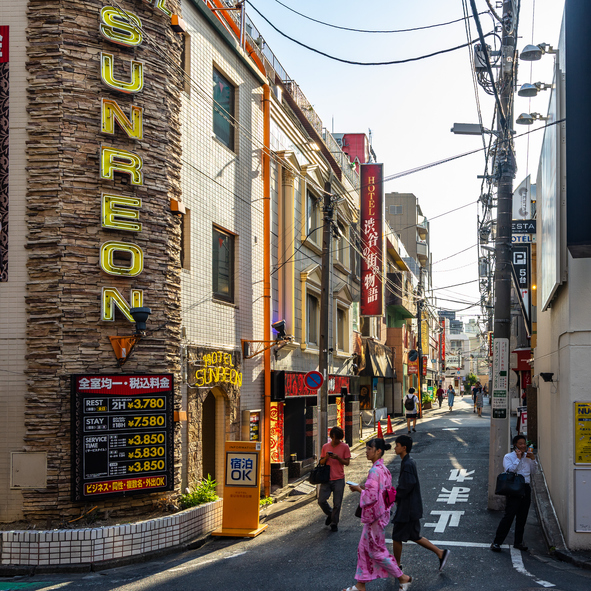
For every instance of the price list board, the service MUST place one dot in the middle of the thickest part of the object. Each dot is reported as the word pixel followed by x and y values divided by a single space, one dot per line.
pixel 122 429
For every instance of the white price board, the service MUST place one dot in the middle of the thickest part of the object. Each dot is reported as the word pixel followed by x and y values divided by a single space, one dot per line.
pixel 500 389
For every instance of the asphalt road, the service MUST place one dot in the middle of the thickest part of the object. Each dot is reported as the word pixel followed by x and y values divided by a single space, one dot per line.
pixel 297 552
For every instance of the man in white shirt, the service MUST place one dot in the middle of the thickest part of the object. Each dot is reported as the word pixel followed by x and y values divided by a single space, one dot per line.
pixel 522 462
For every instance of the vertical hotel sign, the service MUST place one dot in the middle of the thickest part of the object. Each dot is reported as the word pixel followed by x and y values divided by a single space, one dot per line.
pixel 4 130
pixel 372 203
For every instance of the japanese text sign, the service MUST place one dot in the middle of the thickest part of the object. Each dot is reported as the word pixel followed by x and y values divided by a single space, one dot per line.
pixel 122 427
pixel 372 204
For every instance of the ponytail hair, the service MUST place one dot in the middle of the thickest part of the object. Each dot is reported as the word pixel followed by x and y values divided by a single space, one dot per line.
pixel 379 443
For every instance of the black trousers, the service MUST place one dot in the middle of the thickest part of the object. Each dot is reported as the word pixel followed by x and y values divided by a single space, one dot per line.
pixel 517 508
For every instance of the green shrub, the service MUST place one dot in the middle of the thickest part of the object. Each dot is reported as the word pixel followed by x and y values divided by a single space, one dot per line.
pixel 266 501
pixel 203 492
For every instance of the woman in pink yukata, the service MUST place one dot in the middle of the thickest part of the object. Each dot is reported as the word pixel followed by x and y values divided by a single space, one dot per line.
pixel 373 559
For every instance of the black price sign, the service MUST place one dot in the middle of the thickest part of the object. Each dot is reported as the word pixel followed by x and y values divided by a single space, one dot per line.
pixel 123 436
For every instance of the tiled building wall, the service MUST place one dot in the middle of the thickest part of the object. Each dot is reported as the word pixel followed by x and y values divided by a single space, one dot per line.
pixel 223 187
pixel 12 292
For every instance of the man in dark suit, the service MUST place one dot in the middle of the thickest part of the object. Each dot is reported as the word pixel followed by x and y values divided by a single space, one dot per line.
pixel 409 505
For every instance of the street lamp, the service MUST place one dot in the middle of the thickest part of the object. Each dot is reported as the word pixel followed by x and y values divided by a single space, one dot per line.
pixel 531 90
pixel 529 118
pixel 533 53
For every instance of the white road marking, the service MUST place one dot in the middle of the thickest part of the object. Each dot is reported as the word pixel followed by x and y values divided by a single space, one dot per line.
pixel 517 560
pixel 458 494
pixel 461 475
pixel 445 517
pixel 450 429
pixel 458 544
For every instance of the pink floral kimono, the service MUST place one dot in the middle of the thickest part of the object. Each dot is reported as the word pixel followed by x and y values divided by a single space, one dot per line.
pixel 373 559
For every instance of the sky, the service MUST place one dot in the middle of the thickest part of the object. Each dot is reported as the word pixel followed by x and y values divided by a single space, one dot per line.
pixel 410 108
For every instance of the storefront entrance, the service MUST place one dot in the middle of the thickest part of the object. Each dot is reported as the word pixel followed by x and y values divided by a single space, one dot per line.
pixel 295 428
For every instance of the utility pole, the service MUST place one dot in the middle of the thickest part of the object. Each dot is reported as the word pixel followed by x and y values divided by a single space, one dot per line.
pixel 325 317
pixel 420 340
pixel 505 173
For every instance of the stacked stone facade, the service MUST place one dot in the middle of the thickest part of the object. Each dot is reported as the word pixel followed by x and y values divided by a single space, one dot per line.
pixel 65 330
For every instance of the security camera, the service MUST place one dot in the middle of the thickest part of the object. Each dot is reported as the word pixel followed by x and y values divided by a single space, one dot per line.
pixel 547 376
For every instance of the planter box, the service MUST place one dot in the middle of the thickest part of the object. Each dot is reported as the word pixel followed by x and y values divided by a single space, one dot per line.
pixel 87 546
pixel 427 405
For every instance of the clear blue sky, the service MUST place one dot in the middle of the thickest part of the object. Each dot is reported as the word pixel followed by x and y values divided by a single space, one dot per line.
pixel 410 108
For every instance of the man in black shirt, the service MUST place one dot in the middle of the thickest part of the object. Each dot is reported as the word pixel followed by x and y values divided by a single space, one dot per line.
pixel 409 506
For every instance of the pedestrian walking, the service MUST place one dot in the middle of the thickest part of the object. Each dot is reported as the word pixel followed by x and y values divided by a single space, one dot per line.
pixel 440 393
pixel 477 388
pixel 373 559
pixel 479 401
pixel 522 461
pixel 411 402
pixel 451 394
pixel 409 506
pixel 338 455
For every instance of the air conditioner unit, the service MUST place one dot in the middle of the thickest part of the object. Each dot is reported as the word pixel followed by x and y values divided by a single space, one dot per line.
pixel 535 381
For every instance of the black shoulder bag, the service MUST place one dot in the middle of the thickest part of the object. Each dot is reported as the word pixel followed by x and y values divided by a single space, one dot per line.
pixel 320 474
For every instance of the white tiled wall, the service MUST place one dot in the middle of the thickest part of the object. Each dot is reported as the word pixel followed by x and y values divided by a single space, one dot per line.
pixel 12 292
pixel 225 188
pixel 85 546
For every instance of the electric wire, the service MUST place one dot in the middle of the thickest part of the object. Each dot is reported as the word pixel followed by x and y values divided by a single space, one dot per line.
pixel 355 63
pixel 370 30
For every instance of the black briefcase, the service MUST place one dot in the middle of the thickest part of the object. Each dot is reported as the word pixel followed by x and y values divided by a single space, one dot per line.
pixel 510 484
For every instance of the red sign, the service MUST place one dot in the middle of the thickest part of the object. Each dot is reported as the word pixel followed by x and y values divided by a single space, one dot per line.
pixel 442 337
pixel 295 385
pixel 413 366
pixel 372 267
pixel 4 55
pixel 425 357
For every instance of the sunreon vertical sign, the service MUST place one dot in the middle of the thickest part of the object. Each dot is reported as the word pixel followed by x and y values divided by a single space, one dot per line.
pixel 372 203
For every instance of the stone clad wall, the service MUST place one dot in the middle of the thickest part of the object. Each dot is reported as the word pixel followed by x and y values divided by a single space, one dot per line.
pixel 65 332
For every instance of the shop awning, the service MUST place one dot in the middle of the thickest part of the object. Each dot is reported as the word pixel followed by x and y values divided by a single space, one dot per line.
pixel 380 360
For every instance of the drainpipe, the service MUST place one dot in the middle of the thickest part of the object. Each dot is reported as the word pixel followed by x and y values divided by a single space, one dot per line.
pixel 267 281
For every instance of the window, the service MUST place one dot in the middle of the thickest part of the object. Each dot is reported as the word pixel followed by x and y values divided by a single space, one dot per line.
pixel 223 265
pixel 341 245
pixel 186 240
pixel 395 209
pixel 312 312
pixel 312 217
pixel 342 329
pixel 223 110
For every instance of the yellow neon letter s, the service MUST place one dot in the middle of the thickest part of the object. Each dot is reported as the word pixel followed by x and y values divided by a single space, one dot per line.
pixel 111 112
pixel 121 27
pixel 110 214
pixel 108 75
pixel 115 159
pixel 111 298
pixel 107 256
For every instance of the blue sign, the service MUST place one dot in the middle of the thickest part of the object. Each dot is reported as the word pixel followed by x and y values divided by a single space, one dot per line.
pixel 313 380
